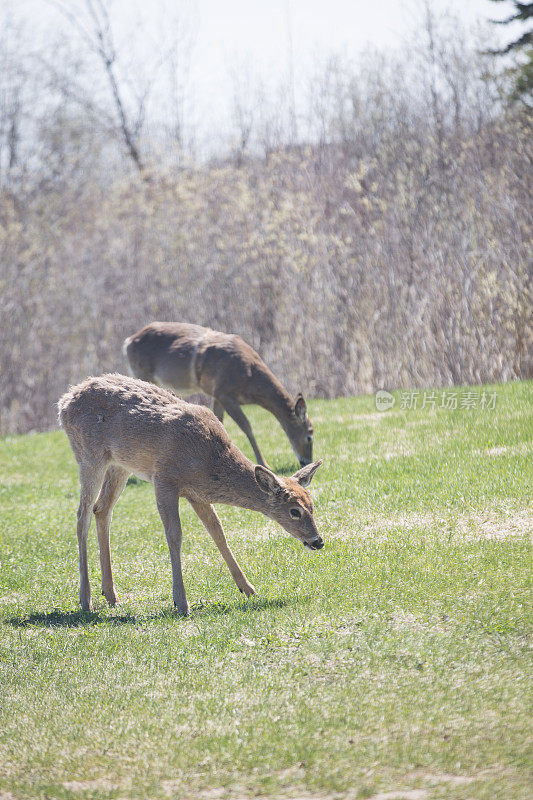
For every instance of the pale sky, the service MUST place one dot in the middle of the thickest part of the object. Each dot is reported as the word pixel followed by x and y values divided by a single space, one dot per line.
pixel 260 26
pixel 254 34
pixel 250 38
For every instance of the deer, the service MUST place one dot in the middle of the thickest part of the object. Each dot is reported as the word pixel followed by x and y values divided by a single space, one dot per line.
pixel 117 425
pixel 190 358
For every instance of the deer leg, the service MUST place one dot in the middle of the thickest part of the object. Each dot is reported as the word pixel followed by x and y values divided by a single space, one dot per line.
pixel 167 500
pixel 210 519
pixel 91 476
pixel 217 408
pixel 114 482
pixel 236 413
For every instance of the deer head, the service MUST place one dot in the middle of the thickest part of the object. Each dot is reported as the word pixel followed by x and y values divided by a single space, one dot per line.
pixel 300 432
pixel 289 503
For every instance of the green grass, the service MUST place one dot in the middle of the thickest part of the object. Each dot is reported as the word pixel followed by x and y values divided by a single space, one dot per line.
pixel 393 659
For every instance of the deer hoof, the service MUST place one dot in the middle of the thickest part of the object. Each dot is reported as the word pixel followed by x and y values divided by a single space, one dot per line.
pixel 182 609
pixel 111 596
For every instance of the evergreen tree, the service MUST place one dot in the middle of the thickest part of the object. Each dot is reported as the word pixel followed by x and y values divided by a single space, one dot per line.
pixel 523 85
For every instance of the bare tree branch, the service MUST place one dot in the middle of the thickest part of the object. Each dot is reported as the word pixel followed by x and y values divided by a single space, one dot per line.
pixel 100 42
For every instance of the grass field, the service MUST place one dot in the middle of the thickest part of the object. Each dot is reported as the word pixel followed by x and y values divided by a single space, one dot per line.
pixel 391 664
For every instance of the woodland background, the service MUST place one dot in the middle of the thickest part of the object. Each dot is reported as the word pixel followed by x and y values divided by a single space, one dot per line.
pixel 377 236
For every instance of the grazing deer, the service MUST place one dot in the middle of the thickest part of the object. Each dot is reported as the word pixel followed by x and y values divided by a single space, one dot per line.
pixel 118 425
pixel 189 358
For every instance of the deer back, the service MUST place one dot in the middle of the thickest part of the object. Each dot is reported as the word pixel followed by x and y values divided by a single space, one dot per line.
pixel 142 427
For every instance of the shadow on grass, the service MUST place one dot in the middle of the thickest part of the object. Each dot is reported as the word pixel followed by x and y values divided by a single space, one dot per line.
pixel 286 469
pixel 133 480
pixel 68 619
pixel 243 606
pixel 75 619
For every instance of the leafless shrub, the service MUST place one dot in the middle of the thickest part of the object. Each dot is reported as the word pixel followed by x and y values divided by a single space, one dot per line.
pixel 390 246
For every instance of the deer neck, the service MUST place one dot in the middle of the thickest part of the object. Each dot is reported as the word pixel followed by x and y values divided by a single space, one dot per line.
pixel 237 485
pixel 274 398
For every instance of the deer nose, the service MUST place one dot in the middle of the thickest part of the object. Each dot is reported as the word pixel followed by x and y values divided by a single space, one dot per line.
pixel 316 544
pixel 304 462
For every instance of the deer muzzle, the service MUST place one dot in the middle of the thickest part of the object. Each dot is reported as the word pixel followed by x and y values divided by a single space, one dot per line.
pixel 315 544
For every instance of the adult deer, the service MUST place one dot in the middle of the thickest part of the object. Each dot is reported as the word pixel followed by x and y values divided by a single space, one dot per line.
pixel 118 425
pixel 190 358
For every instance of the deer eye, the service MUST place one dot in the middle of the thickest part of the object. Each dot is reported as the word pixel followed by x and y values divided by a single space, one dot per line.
pixel 295 513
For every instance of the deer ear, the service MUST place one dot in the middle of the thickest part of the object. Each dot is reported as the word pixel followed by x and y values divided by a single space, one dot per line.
pixel 300 408
pixel 305 475
pixel 267 481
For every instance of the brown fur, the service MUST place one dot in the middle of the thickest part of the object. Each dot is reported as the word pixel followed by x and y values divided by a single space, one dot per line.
pixel 190 358
pixel 118 425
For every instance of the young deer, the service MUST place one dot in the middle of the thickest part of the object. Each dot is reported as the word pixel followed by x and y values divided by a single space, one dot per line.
pixel 189 359
pixel 118 425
